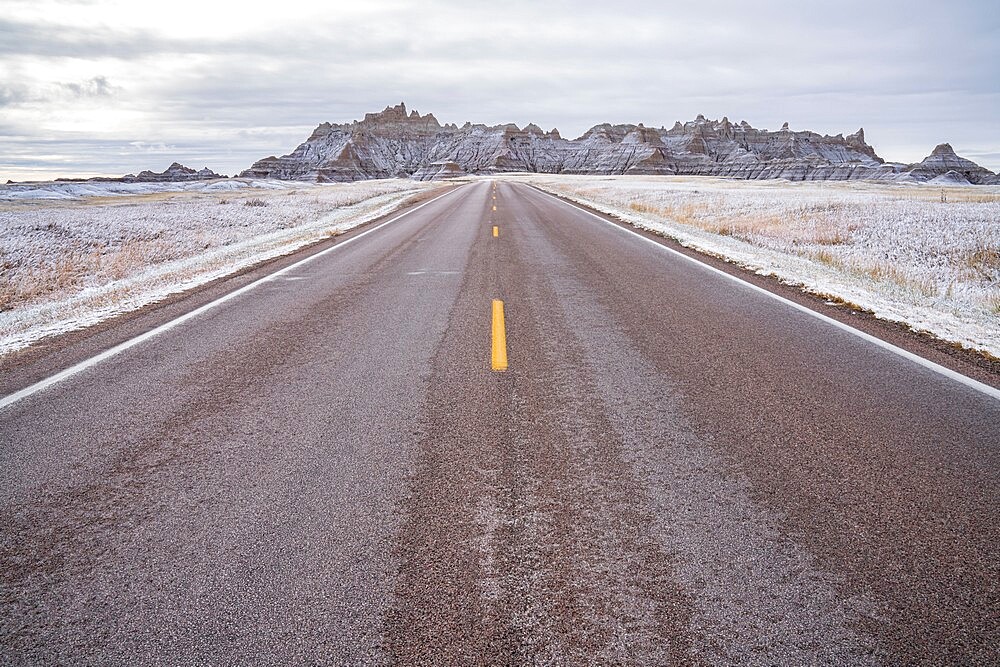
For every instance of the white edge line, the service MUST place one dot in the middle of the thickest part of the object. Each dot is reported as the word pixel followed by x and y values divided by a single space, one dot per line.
pixel 167 326
pixel 926 363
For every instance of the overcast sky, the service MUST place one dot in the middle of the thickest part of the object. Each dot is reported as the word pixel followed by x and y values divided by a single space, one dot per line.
pixel 105 88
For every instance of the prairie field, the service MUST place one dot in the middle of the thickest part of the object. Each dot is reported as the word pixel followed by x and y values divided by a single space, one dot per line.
pixel 73 255
pixel 923 255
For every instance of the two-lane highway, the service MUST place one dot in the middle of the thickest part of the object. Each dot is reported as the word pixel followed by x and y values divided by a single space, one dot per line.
pixel 331 468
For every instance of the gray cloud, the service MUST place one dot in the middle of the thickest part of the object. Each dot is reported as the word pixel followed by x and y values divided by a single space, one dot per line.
pixel 20 94
pixel 912 73
pixel 13 94
pixel 97 86
pixel 52 40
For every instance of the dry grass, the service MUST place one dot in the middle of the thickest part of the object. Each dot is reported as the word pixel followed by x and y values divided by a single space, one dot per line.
pixel 62 259
pixel 67 272
pixel 882 272
pixel 640 207
pixel 825 257
pixel 832 225
pixel 832 237
pixel 798 229
pixel 964 196
pixel 993 303
pixel 985 262
pixel 897 249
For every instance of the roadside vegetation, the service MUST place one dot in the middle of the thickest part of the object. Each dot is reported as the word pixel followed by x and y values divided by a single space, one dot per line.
pixel 923 255
pixel 72 261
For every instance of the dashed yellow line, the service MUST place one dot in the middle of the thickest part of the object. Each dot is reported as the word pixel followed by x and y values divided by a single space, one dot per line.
pixel 496 231
pixel 499 347
pixel 494 207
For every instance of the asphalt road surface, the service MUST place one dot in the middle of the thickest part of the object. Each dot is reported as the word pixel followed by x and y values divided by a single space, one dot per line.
pixel 675 468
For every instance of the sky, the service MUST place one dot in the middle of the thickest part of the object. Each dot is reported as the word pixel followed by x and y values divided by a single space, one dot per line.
pixel 95 87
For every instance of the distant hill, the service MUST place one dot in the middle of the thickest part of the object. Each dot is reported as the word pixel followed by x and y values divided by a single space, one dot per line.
pixel 176 172
pixel 396 143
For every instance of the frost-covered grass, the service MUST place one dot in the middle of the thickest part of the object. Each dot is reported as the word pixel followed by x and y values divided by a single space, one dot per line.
pixel 72 255
pixel 918 254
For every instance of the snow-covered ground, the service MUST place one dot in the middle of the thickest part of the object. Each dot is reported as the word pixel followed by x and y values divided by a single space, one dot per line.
pixel 77 189
pixel 73 254
pixel 923 255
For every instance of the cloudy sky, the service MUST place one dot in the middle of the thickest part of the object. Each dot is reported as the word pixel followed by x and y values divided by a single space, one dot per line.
pixel 105 87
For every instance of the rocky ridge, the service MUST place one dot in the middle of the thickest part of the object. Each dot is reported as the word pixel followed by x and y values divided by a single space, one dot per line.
pixel 395 143
pixel 175 172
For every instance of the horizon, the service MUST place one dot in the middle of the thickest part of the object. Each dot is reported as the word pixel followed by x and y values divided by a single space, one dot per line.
pixel 576 136
pixel 107 89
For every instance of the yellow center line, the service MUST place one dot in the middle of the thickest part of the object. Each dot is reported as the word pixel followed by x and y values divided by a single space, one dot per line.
pixel 496 231
pixel 499 351
pixel 494 207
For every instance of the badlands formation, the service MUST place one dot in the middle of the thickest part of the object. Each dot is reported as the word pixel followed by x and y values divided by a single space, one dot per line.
pixel 175 173
pixel 396 143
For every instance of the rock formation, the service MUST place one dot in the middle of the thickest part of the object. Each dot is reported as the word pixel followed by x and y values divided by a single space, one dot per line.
pixel 437 171
pixel 396 143
pixel 175 172
pixel 942 165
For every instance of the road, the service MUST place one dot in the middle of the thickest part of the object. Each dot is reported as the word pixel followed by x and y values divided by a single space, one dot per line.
pixel 675 468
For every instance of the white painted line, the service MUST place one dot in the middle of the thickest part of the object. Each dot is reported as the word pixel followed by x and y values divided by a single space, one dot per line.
pixel 167 326
pixel 915 358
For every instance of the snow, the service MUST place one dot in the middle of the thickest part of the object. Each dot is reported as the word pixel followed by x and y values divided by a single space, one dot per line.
pixel 949 178
pixel 74 254
pixel 78 189
pixel 927 256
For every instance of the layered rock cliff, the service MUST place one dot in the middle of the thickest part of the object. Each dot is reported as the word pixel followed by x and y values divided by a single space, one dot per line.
pixel 396 143
pixel 943 165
